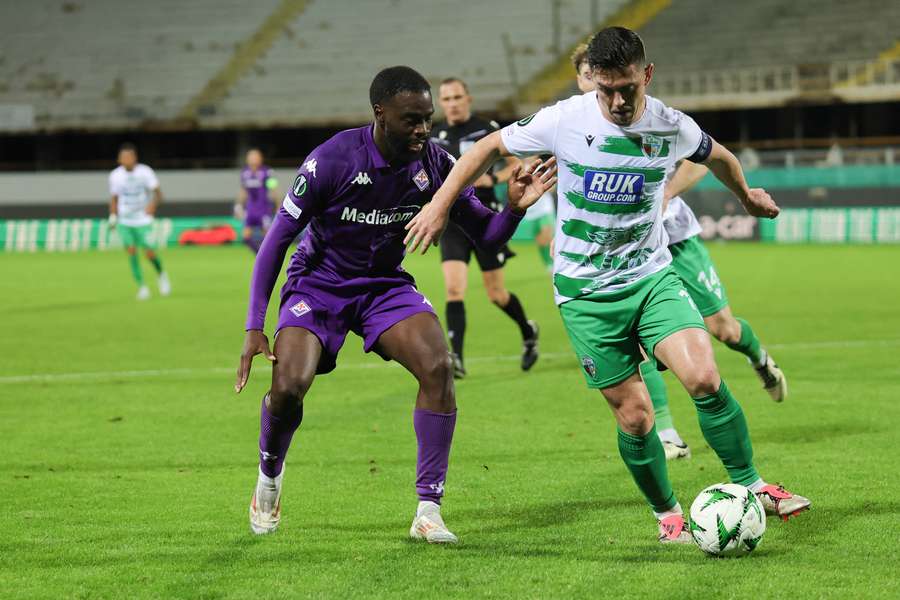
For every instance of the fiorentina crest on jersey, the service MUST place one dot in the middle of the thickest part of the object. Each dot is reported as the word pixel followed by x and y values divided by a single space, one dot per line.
pixel 300 309
pixel 421 180
pixel 651 145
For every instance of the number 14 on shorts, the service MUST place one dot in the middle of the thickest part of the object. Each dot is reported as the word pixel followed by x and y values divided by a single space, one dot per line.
pixel 711 281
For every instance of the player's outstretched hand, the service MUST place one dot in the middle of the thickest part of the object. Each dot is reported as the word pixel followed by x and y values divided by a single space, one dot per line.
pixel 255 343
pixel 526 187
pixel 425 229
pixel 760 204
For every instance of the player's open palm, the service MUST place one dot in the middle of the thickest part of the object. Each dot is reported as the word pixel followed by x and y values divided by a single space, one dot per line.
pixel 526 187
pixel 760 204
pixel 255 343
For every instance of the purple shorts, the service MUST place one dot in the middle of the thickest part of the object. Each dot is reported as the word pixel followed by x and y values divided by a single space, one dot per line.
pixel 367 307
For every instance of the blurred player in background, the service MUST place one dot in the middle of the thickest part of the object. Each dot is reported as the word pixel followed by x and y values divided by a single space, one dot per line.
pixel 356 191
pixel 692 262
pixel 456 135
pixel 256 200
pixel 539 222
pixel 615 287
pixel 135 198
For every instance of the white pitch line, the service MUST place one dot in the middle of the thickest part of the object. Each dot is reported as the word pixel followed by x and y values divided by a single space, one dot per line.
pixel 103 375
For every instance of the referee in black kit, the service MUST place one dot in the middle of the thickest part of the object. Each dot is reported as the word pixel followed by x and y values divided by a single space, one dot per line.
pixel 456 135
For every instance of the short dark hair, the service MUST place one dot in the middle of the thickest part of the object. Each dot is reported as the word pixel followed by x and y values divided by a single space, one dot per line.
pixel 615 48
pixel 393 80
pixel 449 80
pixel 128 147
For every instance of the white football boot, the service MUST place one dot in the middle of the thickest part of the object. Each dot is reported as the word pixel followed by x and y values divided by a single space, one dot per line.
pixel 165 287
pixel 429 526
pixel 675 451
pixel 143 293
pixel 772 378
pixel 265 505
pixel 780 502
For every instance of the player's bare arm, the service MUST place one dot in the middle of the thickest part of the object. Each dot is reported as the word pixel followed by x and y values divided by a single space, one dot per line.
pixel 727 169
pixel 113 211
pixel 154 204
pixel 687 175
pixel 426 227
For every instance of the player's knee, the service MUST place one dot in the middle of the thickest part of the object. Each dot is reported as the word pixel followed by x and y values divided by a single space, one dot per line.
pixel 455 293
pixel 727 331
pixel 288 391
pixel 498 296
pixel 703 380
pixel 130 250
pixel 636 419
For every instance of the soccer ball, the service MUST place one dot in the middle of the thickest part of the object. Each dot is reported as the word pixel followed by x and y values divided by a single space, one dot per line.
pixel 727 520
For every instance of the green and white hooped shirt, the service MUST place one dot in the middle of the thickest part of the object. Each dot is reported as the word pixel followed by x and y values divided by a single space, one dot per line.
pixel 609 227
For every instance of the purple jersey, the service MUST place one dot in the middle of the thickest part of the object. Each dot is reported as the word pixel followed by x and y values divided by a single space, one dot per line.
pixel 357 205
pixel 256 184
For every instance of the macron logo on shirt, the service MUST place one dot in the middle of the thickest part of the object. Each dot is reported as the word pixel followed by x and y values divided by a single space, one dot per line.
pixel 362 179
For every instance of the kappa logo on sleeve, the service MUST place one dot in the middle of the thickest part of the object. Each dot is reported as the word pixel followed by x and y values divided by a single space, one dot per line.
pixel 609 187
pixel 300 309
pixel 310 167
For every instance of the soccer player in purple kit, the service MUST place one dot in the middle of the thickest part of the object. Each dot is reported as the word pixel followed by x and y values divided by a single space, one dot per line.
pixel 255 200
pixel 356 192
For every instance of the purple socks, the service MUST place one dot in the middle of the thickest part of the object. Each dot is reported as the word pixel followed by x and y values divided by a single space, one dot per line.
pixel 275 435
pixel 434 432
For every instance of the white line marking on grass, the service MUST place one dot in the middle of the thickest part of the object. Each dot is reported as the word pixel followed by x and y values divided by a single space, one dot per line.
pixel 136 374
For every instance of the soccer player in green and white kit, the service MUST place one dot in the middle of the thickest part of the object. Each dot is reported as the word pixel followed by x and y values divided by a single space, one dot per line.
pixel 614 282
pixel 693 264
pixel 132 210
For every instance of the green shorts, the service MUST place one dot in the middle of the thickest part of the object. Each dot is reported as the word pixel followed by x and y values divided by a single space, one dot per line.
pixel 140 236
pixel 607 329
pixel 691 261
pixel 531 227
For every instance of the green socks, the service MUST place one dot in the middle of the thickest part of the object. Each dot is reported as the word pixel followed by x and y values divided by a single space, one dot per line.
pixel 748 345
pixel 136 268
pixel 725 429
pixel 157 264
pixel 645 458
pixel 657 388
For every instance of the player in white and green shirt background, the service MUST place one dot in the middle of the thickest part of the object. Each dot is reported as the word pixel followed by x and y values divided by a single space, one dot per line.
pixel 614 283
pixel 135 196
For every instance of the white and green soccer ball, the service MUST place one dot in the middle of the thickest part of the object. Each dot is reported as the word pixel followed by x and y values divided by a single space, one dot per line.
pixel 727 520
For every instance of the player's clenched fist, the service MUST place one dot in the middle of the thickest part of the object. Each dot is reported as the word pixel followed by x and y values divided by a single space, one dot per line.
pixel 760 204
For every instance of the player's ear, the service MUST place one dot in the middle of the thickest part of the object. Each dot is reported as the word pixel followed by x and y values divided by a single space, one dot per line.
pixel 648 74
pixel 379 114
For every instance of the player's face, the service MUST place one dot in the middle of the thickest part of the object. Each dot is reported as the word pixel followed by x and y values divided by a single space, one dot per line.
pixel 405 120
pixel 254 159
pixel 620 92
pixel 128 159
pixel 455 102
pixel 584 79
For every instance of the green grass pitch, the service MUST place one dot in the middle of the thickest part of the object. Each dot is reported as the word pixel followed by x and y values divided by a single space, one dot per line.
pixel 128 461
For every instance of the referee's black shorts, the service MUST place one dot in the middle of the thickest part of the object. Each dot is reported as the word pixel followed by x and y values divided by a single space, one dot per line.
pixel 455 245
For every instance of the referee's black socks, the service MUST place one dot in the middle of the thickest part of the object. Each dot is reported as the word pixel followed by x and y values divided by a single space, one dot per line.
pixel 515 312
pixel 456 325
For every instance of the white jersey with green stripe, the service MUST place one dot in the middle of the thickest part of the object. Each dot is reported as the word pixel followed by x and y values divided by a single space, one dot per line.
pixel 609 227
pixel 680 221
